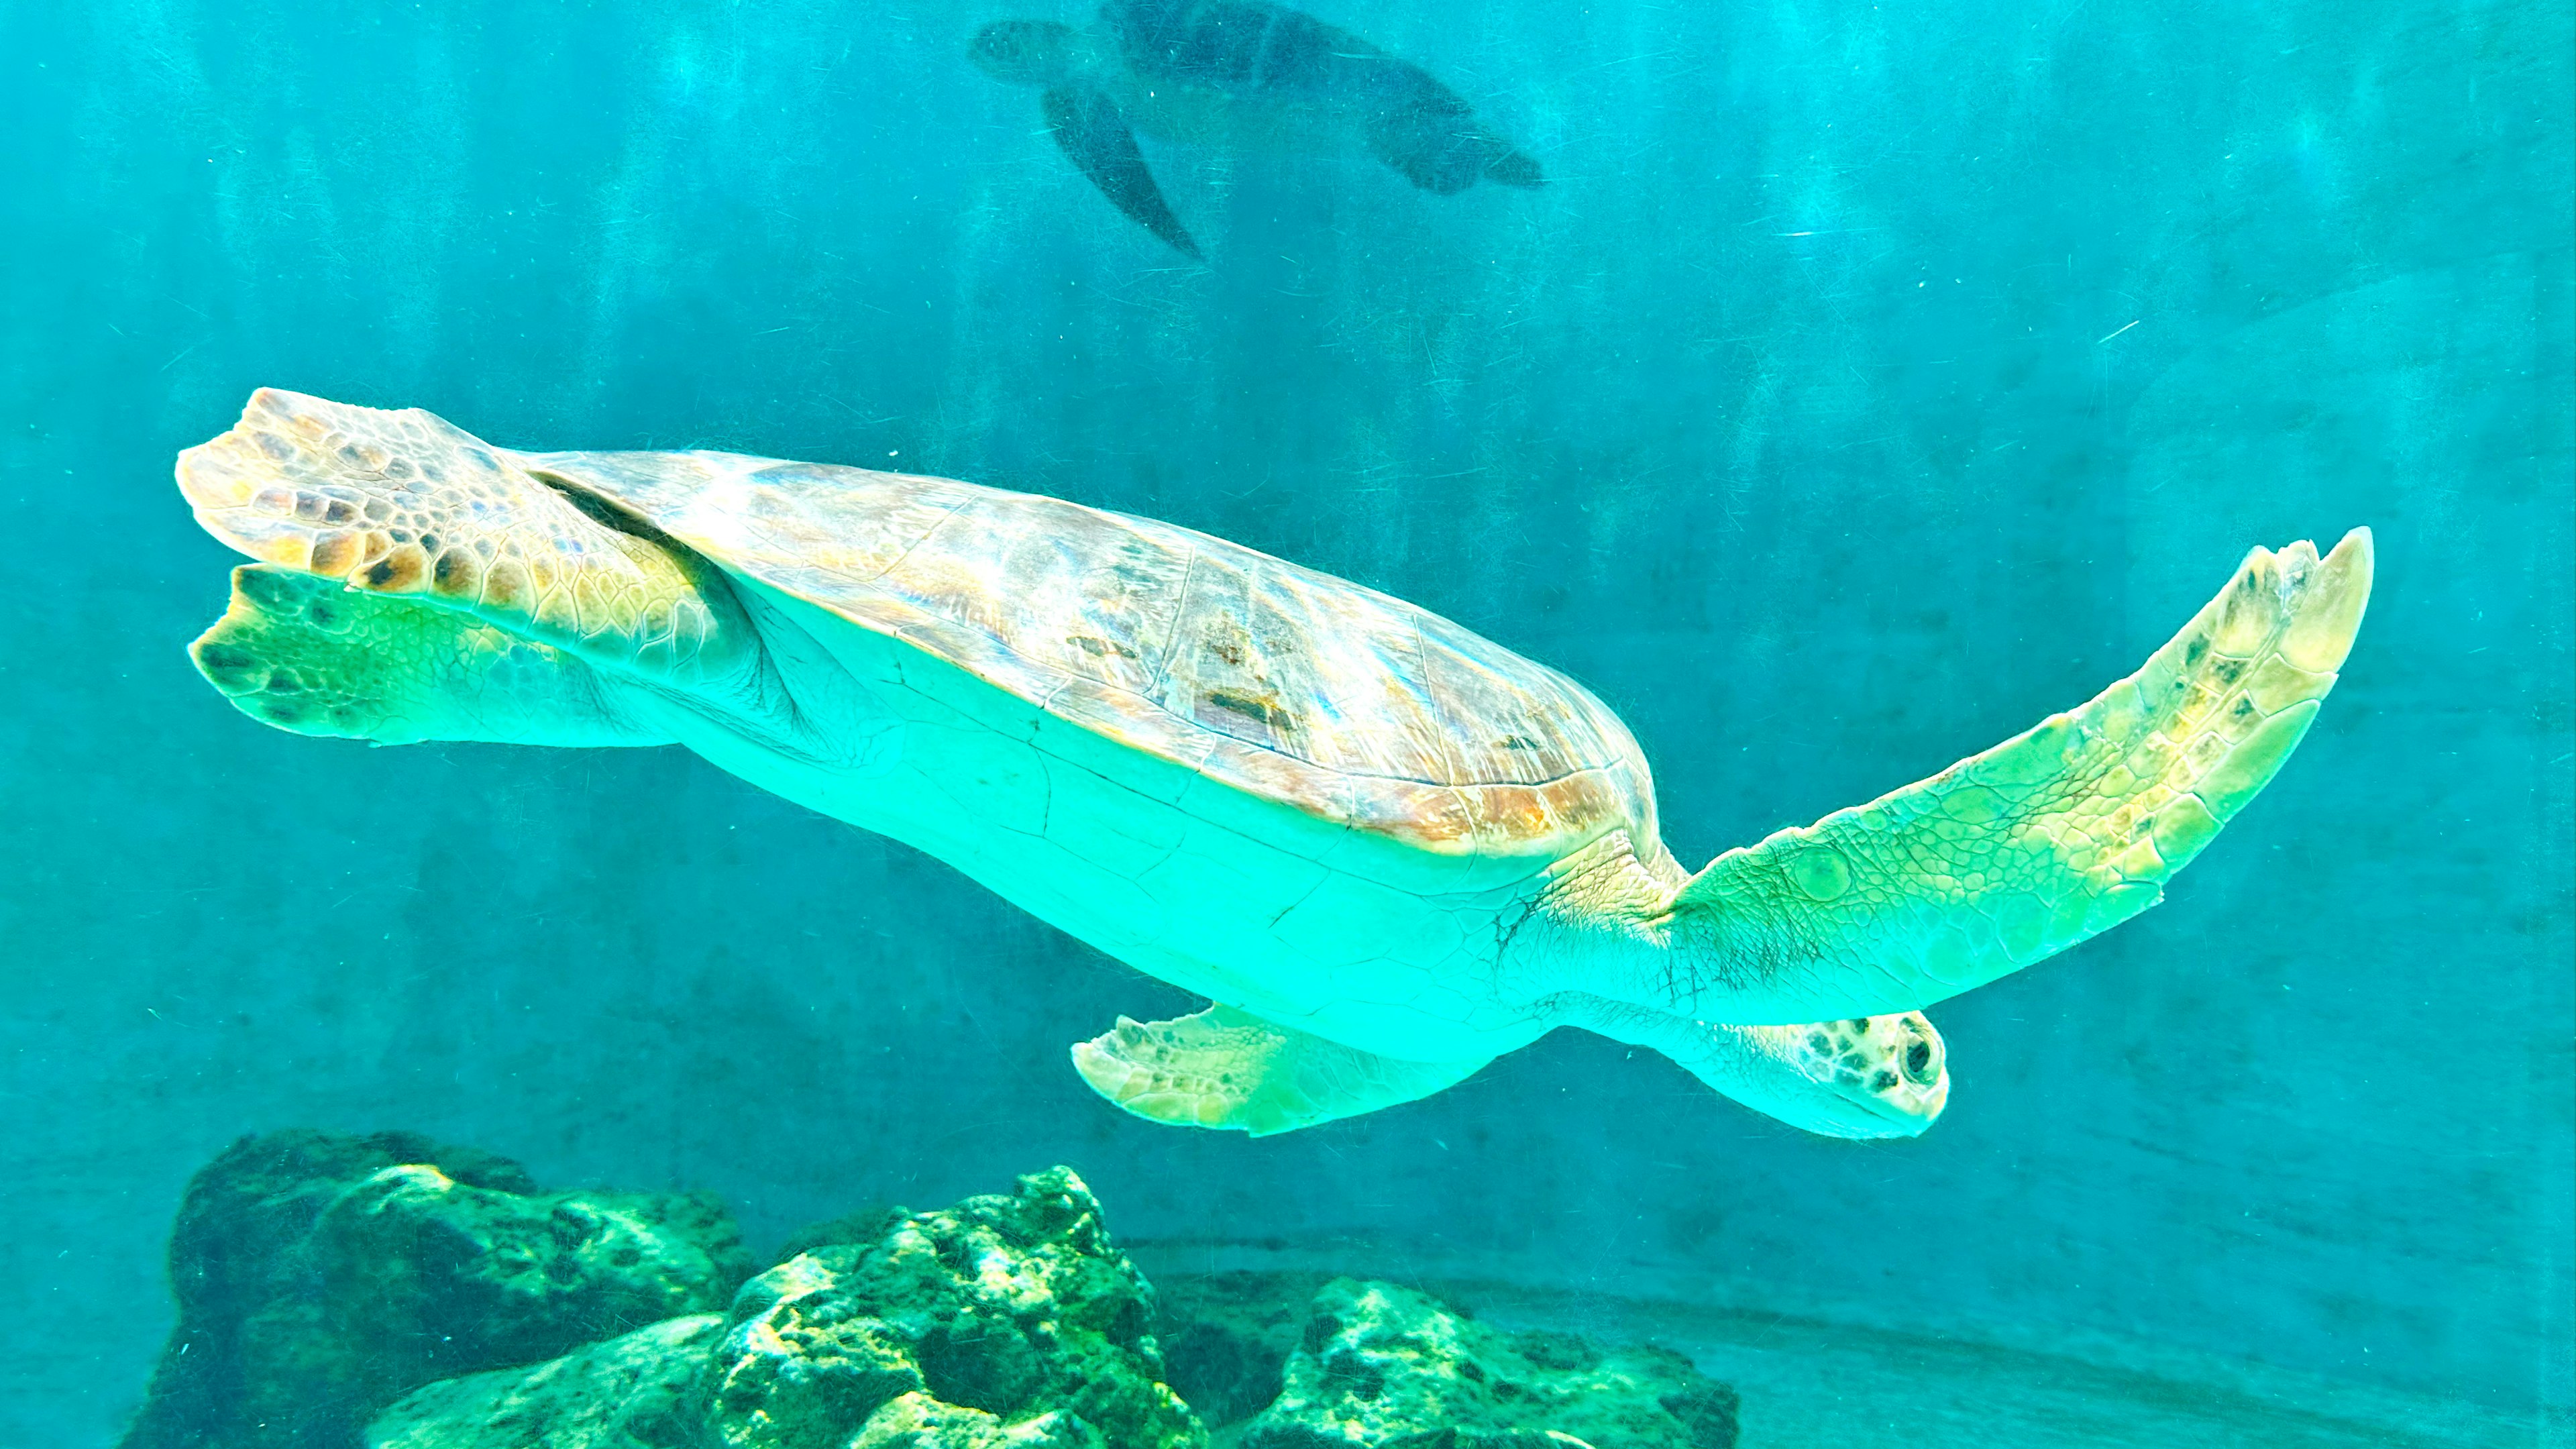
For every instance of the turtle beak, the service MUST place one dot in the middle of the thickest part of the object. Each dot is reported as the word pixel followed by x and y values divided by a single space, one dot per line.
pixel 1875 1118
pixel 1902 1110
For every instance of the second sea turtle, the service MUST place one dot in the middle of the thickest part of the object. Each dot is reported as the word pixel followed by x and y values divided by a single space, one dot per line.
pixel 1243 73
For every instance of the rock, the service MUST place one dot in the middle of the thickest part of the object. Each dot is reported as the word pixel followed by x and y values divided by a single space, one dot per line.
pixel 324 1280
pixel 634 1392
pixel 918 1421
pixel 460 1279
pixel 1000 1321
pixel 1226 1337
pixel 1383 1367
pixel 864 1226
pixel 321 1277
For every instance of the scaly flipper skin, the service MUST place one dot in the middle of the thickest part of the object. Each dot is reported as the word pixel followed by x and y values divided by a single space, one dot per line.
pixel 2053 836
pixel 402 504
pixel 1227 1069
pixel 307 654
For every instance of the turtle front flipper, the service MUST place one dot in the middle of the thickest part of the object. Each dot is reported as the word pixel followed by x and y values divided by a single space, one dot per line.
pixel 401 505
pixel 309 655
pixel 1227 1069
pixel 1087 124
pixel 2013 855
pixel 429 532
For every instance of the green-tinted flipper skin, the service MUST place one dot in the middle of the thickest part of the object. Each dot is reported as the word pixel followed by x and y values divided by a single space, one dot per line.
pixel 1230 1070
pixel 2015 854
pixel 308 655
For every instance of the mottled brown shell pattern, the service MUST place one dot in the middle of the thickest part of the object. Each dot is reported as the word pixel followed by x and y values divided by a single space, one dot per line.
pixel 1275 679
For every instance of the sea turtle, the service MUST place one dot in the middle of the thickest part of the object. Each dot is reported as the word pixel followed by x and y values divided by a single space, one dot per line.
pixel 1237 72
pixel 1386 849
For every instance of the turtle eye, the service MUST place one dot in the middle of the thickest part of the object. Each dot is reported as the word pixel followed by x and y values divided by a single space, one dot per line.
pixel 1921 1067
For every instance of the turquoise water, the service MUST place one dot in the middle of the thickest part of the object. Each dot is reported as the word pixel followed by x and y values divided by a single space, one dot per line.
pixel 1864 384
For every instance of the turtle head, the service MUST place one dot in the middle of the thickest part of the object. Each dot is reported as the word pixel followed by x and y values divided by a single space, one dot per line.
pixel 1026 52
pixel 1868 1077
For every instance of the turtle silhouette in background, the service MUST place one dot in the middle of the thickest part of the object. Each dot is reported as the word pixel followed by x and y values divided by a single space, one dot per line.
pixel 1239 73
pixel 1386 849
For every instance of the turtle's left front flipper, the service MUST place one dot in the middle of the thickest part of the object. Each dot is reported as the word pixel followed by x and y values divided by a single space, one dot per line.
pixel 1087 124
pixel 418 583
pixel 406 506
pixel 1228 1069
pixel 2015 854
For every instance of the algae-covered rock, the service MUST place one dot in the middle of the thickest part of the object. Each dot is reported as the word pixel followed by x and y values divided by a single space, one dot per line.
pixel 638 1391
pixel 918 1421
pixel 1015 1308
pixel 455 1279
pixel 1383 1367
pixel 321 1277
pixel 1226 1337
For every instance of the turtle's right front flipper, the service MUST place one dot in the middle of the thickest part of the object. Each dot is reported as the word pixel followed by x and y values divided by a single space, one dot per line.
pixel 2013 855
pixel 1088 126
pixel 1228 1069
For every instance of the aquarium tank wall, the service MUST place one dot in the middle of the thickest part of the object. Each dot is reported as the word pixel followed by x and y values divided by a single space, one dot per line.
pixel 1843 389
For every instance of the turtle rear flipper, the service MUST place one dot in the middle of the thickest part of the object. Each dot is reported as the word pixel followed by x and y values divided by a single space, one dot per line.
pixel 1858 1079
pixel 1431 138
pixel 309 655
pixel 1229 1069
pixel 1088 126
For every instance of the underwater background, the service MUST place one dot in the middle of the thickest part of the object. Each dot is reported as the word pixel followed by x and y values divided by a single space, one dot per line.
pixel 1866 382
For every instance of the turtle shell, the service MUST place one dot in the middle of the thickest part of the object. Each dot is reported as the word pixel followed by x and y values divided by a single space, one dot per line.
pixel 1290 684
pixel 1237 46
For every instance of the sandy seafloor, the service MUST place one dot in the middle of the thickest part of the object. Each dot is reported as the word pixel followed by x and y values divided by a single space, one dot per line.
pixel 1824 1378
